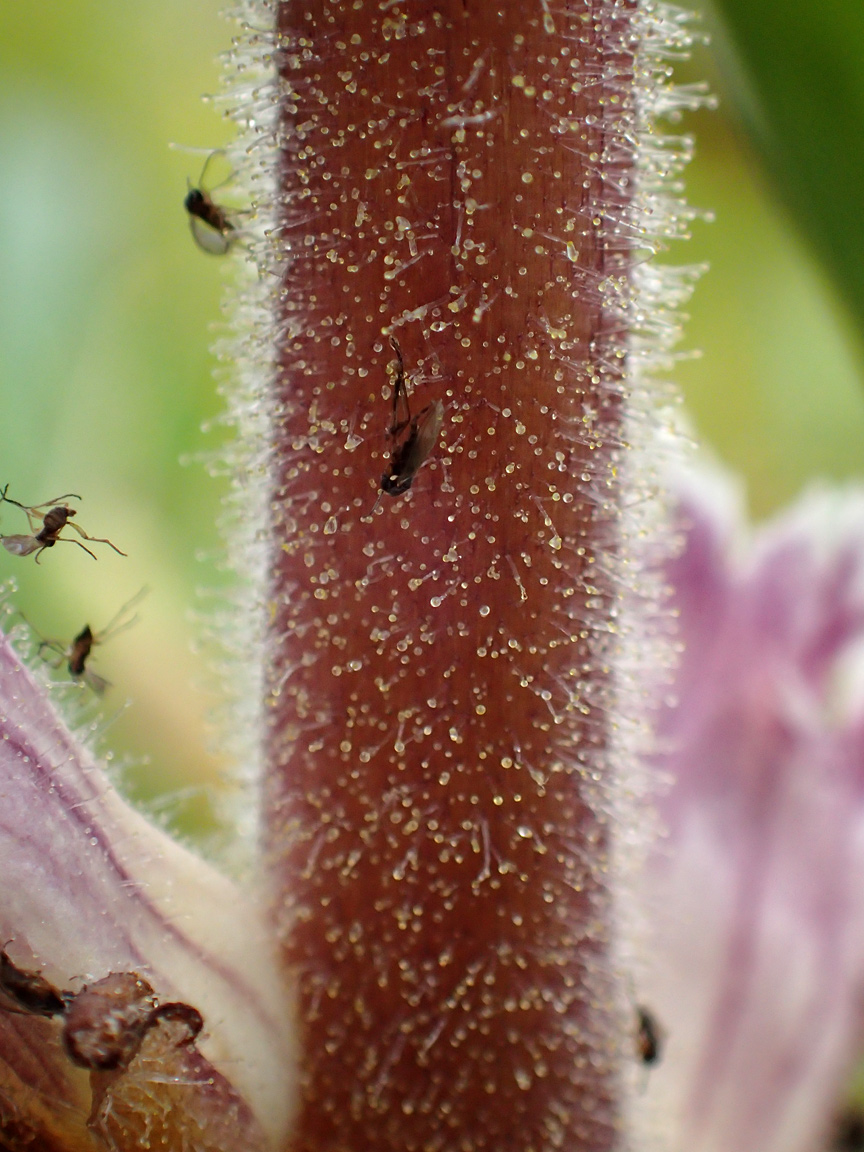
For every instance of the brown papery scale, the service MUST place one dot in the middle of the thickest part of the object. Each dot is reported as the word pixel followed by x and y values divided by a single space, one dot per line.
pixel 106 1022
pixel 29 991
pixel 170 1097
pixel 457 175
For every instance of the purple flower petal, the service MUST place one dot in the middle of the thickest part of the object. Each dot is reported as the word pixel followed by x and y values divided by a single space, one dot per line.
pixel 89 888
pixel 758 896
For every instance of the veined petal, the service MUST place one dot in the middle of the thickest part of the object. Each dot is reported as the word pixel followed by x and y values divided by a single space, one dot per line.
pixel 758 894
pixel 90 888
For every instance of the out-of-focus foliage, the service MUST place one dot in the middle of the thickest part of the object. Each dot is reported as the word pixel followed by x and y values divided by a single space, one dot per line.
pixel 778 389
pixel 797 78
pixel 106 308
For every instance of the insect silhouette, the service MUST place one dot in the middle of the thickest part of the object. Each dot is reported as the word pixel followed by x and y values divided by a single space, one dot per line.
pixel 408 455
pixel 649 1036
pixel 29 991
pixel 211 228
pixel 848 1133
pixel 53 522
pixel 78 652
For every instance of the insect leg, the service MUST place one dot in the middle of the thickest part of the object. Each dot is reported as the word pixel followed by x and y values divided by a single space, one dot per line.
pixel 25 508
pixel 399 389
pixel 67 540
pixel 215 152
pixel 113 627
pixel 50 503
pixel 94 539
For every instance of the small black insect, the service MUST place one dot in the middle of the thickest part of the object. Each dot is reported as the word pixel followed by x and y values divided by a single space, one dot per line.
pixel 78 652
pixel 407 457
pixel 211 228
pixel 649 1036
pixel 848 1131
pixel 29 991
pixel 53 522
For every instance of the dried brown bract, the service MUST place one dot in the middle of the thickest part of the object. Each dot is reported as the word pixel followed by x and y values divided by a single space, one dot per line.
pixel 106 1022
pixel 176 1012
pixel 52 522
pixel 29 991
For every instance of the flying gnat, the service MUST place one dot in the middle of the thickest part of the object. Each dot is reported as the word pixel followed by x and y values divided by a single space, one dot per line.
pixel 76 654
pixel 211 228
pixel 649 1036
pixel 412 437
pixel 52 522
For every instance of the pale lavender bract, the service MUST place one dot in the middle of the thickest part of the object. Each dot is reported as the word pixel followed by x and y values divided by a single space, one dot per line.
pixel 89 887
pixel 758 893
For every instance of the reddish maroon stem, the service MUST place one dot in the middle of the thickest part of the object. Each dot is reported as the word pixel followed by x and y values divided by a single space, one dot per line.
pixel 456 175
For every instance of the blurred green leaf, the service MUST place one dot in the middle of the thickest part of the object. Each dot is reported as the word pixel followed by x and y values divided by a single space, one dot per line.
pixel 795 71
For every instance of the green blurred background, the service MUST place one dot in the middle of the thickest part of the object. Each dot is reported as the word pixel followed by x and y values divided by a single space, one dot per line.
pixel 107 312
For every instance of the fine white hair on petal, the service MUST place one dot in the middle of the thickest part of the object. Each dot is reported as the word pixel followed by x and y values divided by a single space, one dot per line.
pixel 89 888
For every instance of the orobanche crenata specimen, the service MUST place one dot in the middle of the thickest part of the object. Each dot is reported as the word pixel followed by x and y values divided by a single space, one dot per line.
pixel 452 630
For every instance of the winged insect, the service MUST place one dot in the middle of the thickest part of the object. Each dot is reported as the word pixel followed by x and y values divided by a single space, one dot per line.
pixel 52 522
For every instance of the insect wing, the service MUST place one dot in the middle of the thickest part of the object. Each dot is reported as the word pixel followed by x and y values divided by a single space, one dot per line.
pixel 21 545
pixel 209 239
pixel 424 437
pixel 95 682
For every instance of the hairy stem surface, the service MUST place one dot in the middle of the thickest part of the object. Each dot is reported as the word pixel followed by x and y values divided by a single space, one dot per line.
pixel 456 176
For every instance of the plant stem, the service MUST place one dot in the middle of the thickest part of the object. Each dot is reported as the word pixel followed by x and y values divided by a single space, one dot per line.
pixel 456 175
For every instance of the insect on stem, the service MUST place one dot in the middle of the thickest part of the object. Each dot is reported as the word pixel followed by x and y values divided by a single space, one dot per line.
pixel 649 1036
pixel 211 228
pixel 409 455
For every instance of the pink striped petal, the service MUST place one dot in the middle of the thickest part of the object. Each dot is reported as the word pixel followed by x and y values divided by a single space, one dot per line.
pixel 90 888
